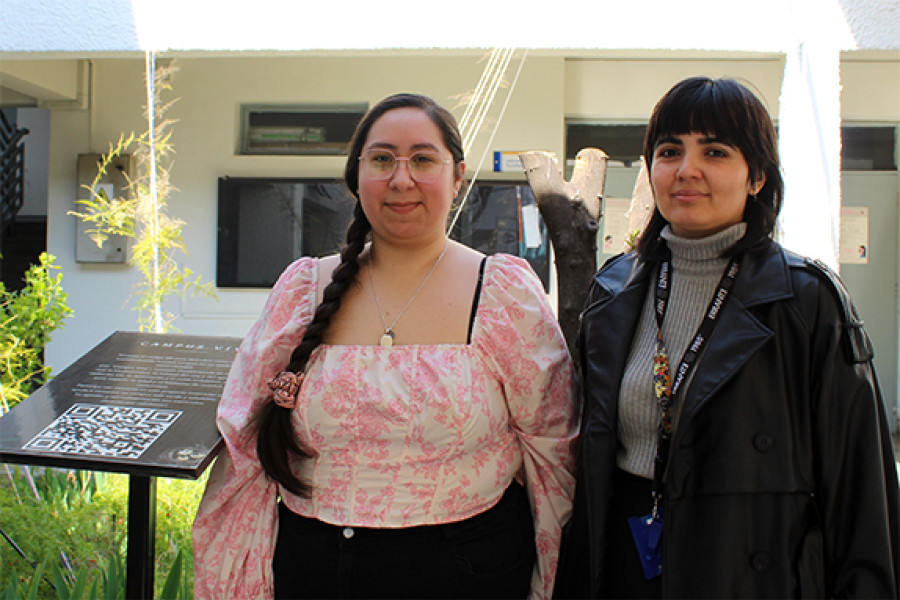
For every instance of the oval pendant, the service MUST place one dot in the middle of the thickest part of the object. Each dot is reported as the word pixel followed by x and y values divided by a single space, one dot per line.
pixel 387 340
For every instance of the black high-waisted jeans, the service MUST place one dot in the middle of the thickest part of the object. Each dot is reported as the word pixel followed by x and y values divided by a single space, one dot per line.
pixel 490 555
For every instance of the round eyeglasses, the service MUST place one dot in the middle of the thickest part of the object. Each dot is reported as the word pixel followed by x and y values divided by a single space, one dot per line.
pixel 423 166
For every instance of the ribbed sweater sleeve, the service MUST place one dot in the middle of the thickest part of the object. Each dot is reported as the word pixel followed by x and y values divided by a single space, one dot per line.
pixel 697 267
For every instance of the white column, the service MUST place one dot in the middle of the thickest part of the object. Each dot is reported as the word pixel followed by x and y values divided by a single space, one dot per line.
pixel 810 130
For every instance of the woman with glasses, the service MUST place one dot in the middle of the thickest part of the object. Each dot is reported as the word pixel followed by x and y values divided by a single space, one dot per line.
pixel 400 420
pixel 734 440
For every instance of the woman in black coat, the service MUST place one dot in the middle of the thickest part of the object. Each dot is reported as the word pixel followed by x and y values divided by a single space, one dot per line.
pixel 734 441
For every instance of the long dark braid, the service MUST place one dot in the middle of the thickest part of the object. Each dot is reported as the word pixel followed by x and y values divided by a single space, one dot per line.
pixel 275 440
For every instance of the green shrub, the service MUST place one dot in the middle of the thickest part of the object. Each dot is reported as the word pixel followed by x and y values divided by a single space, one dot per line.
pixel 72 525
pixel 27 318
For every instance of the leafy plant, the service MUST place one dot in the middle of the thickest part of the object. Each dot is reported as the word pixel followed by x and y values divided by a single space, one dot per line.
pixel 85 585
pixel 80 587
pixel 175 586
pixel 27 318
pixel 632 238
pixel 25 589
pixel 176 506
pixel 73 528
pixel 140 214
pixel 60 525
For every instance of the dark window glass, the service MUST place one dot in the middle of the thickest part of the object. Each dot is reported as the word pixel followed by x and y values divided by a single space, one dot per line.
pixel 867 148
pixel 622 143
pixel 265 224
pixel 864 148
pixel 503 217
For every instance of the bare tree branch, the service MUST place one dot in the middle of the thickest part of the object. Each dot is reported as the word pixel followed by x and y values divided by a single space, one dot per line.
pixel 571 211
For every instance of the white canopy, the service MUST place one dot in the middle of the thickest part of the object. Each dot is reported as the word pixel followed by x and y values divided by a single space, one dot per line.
pixel 79 26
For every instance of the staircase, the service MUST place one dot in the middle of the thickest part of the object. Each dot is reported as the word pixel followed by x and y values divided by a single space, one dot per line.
pixel 12 170
pixel 21 241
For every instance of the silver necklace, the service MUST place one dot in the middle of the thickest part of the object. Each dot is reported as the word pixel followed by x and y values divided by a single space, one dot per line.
pixel 387 338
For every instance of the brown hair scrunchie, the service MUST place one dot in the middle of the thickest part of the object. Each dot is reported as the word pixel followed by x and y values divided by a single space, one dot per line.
pixel 285 386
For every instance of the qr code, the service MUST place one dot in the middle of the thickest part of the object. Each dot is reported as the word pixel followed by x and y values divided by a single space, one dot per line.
pixel 110 431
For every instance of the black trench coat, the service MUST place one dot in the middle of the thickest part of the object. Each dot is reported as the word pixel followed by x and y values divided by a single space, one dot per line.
pixel 781 479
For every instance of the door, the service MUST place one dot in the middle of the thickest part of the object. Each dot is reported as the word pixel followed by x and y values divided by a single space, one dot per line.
pixel 874 285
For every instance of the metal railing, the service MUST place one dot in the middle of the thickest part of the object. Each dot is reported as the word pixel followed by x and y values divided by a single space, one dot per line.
pixel 12 171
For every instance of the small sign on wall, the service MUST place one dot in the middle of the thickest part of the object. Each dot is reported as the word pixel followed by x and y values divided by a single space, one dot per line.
pixel 531 226
pixel 507 162
pixel 854 235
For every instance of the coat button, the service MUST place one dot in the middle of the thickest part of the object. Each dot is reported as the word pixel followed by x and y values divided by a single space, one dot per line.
pixel 761 562
pixel 763 442
pixel 348 532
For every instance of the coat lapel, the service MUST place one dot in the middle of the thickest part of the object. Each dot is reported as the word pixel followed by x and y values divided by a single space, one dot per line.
pixel 624 294
pixel 764 278
pixel 621 292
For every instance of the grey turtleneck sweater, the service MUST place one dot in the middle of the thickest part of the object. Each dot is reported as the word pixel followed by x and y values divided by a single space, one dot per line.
pixel 697 267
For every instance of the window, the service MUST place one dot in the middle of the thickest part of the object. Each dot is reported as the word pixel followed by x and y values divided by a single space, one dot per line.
pixel 868 148
pixel 864 147
pixel 622 143
pixel 265 224
pixel 503 217
pixel 299 129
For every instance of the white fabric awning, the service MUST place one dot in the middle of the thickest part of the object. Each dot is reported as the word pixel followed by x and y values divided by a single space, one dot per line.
pixel 103 26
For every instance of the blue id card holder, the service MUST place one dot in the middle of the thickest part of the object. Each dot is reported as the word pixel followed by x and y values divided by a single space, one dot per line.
pixel 647 534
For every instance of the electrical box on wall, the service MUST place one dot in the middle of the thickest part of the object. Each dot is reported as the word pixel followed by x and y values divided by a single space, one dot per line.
pixel 113 184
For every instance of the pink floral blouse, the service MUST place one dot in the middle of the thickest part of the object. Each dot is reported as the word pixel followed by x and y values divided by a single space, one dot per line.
pixel 402 436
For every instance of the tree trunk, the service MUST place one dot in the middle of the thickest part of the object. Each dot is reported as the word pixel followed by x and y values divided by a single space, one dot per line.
pixel 571 211
pixel 642 205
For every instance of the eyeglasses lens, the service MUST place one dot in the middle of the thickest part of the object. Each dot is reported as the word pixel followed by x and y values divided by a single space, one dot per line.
pixel 424 167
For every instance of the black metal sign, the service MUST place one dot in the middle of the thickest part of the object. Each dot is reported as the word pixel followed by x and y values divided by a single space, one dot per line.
pixel 138 403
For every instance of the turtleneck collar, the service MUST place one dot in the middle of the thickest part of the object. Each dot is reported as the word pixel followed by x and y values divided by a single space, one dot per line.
pixel 702 253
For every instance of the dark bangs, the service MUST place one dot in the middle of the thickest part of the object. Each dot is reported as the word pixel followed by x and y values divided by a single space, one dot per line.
pixel 708 106
pixel 729 111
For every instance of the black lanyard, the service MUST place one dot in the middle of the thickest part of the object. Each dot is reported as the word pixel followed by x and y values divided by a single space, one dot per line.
pixel 688 360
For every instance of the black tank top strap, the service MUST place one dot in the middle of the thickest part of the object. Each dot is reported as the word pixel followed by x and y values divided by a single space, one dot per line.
pixel 476 299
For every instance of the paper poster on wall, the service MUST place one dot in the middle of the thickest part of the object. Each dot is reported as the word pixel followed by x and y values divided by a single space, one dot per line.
pixel 854 235
pixel 531 226
pixel 615 225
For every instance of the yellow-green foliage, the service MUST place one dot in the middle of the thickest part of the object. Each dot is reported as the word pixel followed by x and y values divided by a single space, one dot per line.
pixel 632 238
pixel 74 524
pixel 140 214
pixel 27 318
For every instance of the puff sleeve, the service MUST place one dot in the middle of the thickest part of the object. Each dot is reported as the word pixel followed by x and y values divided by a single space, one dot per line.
pixel 236 524
pixel 526 348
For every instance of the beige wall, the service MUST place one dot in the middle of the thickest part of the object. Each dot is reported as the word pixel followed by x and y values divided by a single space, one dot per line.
pixel 211 90
pixel 626 90
pixel 871 90
pixel 46 79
